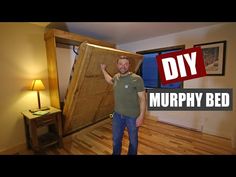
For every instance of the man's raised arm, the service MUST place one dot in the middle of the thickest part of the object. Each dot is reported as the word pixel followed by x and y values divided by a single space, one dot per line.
pixel 107 76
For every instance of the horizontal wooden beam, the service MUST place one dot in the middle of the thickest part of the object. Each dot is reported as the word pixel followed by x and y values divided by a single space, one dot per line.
pixel 73 39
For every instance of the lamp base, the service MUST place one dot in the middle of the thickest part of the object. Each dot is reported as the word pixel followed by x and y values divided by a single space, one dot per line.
pixel 37 109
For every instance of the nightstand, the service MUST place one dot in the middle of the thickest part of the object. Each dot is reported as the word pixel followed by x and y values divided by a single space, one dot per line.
pixel 54 135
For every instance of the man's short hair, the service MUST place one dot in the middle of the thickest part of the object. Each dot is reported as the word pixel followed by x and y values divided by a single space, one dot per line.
pixel 124 57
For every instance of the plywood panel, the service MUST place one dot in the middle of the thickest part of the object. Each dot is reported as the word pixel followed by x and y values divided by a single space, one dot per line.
pixel 84 113
pixel 106 106
pixel 90 98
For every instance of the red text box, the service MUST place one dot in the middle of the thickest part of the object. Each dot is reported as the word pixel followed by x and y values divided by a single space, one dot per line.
pixel 182 65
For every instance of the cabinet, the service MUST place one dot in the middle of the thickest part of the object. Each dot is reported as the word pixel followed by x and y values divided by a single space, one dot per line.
pixel 33 122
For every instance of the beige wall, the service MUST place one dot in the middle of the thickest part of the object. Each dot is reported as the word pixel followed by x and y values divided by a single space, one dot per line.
pixel 212 122
pixel 22 58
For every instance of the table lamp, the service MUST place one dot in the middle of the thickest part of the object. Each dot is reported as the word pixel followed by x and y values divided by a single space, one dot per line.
pixel 37 85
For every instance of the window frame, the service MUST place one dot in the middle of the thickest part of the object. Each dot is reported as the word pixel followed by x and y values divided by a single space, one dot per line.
pixel 159 51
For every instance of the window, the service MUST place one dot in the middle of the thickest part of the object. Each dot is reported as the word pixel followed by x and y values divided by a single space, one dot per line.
pixel 149 69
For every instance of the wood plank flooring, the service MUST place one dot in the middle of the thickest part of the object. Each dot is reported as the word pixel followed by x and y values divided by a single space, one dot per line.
pixel 155 138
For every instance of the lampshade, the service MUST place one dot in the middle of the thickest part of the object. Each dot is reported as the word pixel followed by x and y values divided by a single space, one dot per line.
pixel 37 85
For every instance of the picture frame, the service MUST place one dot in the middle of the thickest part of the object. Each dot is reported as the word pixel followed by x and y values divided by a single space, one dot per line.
pixel 214 55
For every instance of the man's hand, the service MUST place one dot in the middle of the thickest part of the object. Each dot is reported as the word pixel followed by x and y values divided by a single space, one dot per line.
pixel 107 76
pixel 142 100
pixel 139 121
pixel 117 76
pixel 103 67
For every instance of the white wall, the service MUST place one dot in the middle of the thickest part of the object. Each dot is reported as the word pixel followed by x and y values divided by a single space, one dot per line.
pixel 65 61
pixel 220 123
pixel 22 59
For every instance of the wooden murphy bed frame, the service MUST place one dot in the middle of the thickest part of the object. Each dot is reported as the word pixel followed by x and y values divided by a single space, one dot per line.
pixel 89 98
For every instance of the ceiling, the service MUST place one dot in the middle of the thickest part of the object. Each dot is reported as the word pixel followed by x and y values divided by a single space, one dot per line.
pixel 124 32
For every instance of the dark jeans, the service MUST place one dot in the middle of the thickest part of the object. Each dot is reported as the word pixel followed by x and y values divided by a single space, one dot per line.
pixel 119 122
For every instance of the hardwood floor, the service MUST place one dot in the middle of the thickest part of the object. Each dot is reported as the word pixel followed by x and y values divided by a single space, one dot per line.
pixel 155 138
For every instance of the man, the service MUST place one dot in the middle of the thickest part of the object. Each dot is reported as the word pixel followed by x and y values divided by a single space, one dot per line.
pixel 129 93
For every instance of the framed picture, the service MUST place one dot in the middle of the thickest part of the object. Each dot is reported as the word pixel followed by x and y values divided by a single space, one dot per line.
pixel 214 57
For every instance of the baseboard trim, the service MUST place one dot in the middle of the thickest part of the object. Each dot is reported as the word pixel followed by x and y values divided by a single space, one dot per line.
pixel 15 150
pixel 171 123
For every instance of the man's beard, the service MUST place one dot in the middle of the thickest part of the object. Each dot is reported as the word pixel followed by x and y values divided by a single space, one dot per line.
pixel 123 72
